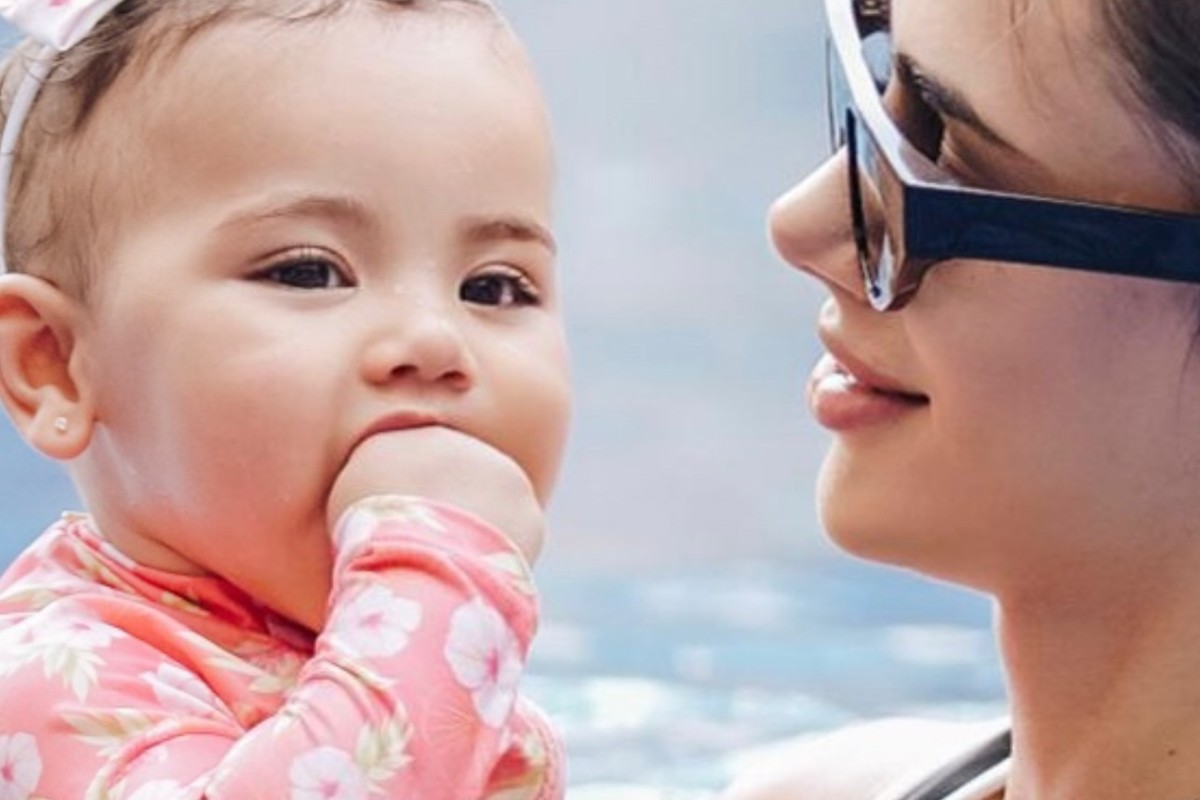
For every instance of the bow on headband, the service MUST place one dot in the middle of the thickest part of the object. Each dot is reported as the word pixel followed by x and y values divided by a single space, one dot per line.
pixel 58 25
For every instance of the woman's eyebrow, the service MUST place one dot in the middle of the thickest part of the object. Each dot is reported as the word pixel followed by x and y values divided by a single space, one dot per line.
pixel 945 100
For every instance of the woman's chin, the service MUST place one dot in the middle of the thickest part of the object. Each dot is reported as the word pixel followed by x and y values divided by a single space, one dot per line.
pixel 862 537
pixel 888 528
pixel 857 517
pixel 899 539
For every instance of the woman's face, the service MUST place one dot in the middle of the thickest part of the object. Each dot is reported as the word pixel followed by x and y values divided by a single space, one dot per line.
pixel 1010 420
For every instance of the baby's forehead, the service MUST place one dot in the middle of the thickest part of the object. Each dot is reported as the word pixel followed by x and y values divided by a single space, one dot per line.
pixel 179 69
pixel 87 153
pixel 253 67
pixel 228 116
pixel 232 41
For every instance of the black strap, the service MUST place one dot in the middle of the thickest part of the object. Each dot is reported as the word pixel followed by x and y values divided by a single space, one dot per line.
pixel 962 771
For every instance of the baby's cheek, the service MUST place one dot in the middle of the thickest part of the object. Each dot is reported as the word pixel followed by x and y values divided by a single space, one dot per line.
pixel 540 437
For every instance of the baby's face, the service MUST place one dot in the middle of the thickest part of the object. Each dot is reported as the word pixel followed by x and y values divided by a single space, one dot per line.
pixel 339 225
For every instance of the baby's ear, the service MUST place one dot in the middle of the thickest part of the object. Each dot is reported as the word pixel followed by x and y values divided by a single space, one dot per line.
pixel 39 366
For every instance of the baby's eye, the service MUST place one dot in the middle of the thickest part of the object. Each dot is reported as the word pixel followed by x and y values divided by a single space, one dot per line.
pixel 306 272
pixel 499 287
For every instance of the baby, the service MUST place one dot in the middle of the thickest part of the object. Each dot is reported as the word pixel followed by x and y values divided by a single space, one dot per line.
pixel 280 292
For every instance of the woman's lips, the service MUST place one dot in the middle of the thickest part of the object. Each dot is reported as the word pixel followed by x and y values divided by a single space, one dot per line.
pixel 844 401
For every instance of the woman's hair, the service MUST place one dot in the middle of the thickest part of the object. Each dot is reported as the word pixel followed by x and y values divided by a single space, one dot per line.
pixel 62 209
pixel 1157 40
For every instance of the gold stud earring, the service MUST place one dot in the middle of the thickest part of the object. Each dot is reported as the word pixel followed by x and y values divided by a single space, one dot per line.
pixel 61 424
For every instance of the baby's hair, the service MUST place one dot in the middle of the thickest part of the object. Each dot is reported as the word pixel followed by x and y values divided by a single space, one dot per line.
pixel 60 215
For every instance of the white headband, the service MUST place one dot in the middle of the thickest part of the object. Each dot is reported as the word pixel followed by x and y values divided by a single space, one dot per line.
pixel 58 25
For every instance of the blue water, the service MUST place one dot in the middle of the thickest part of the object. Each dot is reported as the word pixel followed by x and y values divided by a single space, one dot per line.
pixel 661 683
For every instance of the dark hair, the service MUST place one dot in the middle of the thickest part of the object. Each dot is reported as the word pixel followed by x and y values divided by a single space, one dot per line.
pixel 1157 40
pixel 58 189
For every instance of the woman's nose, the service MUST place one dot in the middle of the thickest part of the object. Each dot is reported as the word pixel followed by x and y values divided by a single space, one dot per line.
pixel 812 228
pixel 422 342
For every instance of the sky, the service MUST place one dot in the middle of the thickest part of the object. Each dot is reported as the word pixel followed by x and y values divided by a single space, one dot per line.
pixel 678 122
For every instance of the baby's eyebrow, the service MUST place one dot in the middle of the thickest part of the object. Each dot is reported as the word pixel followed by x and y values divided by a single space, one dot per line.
pixel 475 230
pixel 339 208
pixel 483 230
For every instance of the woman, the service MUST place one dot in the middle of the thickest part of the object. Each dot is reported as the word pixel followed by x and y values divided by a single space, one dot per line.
pixel 1013 381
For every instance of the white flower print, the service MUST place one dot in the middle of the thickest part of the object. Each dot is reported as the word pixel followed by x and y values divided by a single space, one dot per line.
pixel 157 790
pixel 517 570
pixel 360 523
pixel 75 631
pixel 180 691
pixel 66 643
pixel 107 730
pixel 376 622
pixel 327 773
pixel 382 750
pixel 280 667
pixel 485 657
pixel 39 587
pixel 20 766
pixel 272 668
pixel 355 529
pixel 405 508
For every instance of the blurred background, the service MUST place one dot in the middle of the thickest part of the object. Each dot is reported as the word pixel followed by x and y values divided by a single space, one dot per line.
pixel 692 611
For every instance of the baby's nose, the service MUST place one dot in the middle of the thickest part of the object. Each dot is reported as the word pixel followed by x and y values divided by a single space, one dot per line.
pixel 422 341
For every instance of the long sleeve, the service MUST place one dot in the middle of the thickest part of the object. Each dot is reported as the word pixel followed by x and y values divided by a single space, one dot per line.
pixel 411 691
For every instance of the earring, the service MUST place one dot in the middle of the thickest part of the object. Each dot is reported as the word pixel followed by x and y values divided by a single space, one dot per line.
pixel 61 424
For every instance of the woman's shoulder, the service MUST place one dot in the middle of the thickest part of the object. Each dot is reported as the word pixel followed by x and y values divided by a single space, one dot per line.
pixel 856 762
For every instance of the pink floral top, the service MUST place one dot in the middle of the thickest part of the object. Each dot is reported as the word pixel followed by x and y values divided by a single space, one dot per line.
pixel 119 682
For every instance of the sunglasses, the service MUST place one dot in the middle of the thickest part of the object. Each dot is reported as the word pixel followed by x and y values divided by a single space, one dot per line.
pixel 909 214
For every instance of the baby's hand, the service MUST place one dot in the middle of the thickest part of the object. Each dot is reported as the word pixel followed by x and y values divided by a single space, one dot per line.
pixel 442 464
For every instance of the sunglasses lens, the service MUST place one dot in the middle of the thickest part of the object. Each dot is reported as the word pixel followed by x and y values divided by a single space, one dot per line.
pixel 876 251
pixel 876 257
pixel 837 99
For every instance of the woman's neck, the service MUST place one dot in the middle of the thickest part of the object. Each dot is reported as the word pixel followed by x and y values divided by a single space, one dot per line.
pixel 1104 672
